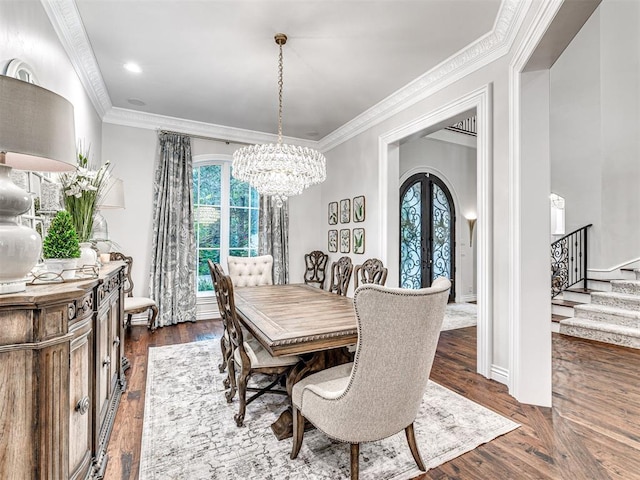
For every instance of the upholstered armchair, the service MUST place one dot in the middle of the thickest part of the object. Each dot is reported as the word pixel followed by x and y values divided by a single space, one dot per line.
pixel 316 264
pixel 371 271
pixel 250 271
pixel 341 272
pixel 379 394
pixel 133 305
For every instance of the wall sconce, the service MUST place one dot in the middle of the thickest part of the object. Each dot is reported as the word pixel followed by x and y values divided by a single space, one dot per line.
pixel 471 220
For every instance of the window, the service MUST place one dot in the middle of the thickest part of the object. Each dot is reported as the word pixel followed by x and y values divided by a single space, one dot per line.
pixel 226 215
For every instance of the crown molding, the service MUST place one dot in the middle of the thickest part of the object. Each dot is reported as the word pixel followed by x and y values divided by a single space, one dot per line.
pixel 152 121
pixel 65 18
pixel 66 21
pixel 476 55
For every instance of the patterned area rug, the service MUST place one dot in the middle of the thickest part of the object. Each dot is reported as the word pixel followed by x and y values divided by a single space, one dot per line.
pixel 460 315
pixel 189 432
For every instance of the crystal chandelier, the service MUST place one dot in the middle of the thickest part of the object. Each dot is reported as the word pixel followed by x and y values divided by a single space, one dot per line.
pixel 279 170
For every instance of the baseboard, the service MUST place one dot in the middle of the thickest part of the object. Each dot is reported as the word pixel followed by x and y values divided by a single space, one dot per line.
pixel 471 297
pixel 206 309
pixel 139 319
pixel 500 374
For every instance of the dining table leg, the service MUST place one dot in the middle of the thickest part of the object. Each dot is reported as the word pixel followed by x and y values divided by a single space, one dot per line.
pixel 283 427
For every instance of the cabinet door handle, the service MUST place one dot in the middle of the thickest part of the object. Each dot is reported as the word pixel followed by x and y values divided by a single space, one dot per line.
pixel 82 406
pixel 106 361
pixel 116 342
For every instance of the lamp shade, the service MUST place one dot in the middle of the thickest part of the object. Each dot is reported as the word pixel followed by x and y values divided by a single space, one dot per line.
pixel 36 127
pixel 113 195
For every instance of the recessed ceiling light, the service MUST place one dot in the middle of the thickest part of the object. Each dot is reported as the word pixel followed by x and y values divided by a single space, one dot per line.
pixel 136 102
pixel 132 67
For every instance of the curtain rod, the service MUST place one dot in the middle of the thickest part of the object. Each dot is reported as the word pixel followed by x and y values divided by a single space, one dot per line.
pixel 203 137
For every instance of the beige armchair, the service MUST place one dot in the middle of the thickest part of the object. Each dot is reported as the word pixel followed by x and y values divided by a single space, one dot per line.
pixel 379 394
pixel 250 271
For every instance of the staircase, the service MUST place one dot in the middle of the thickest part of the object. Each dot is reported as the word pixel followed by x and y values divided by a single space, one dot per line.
pixel 609 312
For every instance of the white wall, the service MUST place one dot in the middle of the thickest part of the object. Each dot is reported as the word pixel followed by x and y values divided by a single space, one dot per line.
pixel 27 34
pixel 455 165
pixel 595 120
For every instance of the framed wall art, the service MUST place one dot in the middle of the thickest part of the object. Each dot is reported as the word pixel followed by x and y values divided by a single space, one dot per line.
pixel 358 240
pixel 345 210
pixel 333 213
pixel 332 240
pixel 358 209
pixel 345 240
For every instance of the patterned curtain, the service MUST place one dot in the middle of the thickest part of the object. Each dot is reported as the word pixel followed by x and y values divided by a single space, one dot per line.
pixel 274 237
pixel 173 250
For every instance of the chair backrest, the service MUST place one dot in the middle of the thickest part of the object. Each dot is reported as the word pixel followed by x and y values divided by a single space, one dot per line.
pixel 341 275
pixel 316 265
pixel 128 282
pixel 371 271
pixel 250 271
pixel 393 358
pixel 223 286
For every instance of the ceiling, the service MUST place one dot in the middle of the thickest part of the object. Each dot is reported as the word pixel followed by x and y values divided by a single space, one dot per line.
pixel 215 61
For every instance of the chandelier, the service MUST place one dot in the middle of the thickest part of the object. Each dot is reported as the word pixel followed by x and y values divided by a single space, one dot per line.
pixel 279 170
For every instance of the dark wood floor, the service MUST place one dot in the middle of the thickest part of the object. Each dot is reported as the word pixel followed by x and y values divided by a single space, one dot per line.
pixel 592 432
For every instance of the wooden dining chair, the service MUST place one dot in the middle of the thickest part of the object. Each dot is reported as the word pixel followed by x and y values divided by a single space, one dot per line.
pixel 379 394
pixel 316 265
pixel 134 305
pixel 248 355
pixel 371 271
pixel 216 272
pixel 341 272
pixel 250 271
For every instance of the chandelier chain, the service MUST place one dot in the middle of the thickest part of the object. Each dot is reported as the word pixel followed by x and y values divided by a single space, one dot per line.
pixel 280 83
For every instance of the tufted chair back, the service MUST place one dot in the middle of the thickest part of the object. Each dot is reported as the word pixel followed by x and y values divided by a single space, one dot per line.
pixel 251 271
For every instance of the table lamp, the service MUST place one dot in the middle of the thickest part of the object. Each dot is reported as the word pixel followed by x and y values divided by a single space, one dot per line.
pixel 36 133
pixel 113 198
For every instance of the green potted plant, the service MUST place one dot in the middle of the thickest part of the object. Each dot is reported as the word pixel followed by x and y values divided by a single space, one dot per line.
pixel 61 248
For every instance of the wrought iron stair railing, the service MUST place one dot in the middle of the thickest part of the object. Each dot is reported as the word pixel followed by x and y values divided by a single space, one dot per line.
pixel 569 261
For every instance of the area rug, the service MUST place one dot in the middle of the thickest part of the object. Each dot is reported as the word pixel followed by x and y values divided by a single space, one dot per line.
pixel 189 432
pixel 460 315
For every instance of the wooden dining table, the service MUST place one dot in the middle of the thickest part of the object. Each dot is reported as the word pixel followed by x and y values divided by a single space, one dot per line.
pixel 300 320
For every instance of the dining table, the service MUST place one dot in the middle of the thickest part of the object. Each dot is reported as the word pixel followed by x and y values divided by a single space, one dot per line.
pixel 298 319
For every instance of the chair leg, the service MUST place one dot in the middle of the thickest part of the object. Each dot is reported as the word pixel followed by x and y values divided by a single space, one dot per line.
pixel 298 432
pixel 231 376
pixel 355 461
pixel 152 321
pixel 413 446
pixel 242 394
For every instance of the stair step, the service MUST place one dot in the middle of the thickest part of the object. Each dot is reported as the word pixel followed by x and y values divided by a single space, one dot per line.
pixel 609 315
pixel 582 290
pixel 615 299
pixel 602 284
pixel 602 332
pixel 626 286
pixel 557 318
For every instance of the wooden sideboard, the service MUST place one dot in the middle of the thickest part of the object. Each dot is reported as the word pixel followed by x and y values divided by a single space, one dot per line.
pixel 61 376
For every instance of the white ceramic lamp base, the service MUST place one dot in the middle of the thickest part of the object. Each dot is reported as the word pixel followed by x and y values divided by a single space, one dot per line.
pixel 19 245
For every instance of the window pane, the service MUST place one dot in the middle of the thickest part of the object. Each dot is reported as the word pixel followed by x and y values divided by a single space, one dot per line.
pixel 254 230
pixel 204 277
pixel 209 185
pixel 196 185
pixel 255 198
pixel 209 235
pixel 240 193
pixel 441 228
pixel 239 228
pixel 239 252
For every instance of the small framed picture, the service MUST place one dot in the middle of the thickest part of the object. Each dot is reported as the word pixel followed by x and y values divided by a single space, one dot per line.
pixel 358 209
pixel 332 240
pixel 358 240
pixel 333 213
pixel 345 210
pixel 345 240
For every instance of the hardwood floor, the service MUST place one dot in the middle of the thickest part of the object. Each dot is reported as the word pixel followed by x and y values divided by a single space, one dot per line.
pixel 591 433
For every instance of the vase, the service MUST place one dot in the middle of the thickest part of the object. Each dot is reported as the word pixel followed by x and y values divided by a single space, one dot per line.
pixel 88 256
pixel 64 266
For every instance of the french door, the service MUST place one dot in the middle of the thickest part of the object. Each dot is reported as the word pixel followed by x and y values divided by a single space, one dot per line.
pixel 427 232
